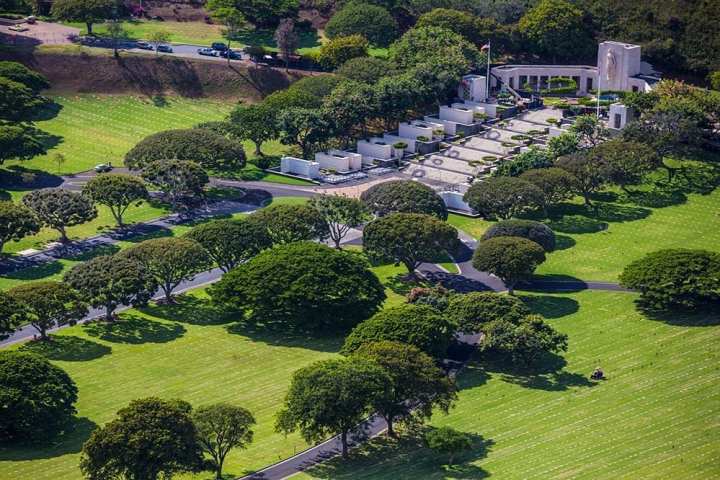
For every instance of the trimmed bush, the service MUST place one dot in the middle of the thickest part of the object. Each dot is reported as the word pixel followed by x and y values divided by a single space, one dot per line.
pixel 536 231
pixel 404 196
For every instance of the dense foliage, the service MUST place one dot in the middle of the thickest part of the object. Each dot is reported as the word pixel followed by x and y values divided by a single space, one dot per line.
pixel 182 182
pixel 86 11
pixel 16 222
pixel 48 304
pixel 371 21
pixel 230 242
pixel 364 69
pixel 525 341
pixel 404 196
pixel 511 259
pixel 17 72
pixel 473 311
pixel 536 231
pixel 291 223
pixel 117 192
pixel 59 208
pixel 503 197
pixel 339 50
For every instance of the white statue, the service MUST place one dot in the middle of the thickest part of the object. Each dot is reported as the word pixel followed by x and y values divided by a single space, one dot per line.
pixel 610 66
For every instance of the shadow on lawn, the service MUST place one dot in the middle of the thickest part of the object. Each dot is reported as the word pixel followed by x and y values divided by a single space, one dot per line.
pixel 15 177
pixel 550 306
pixel 279 335
pixel 134 330
pixel 67 348
pixel 79 431
pixel 705 317
pixel 546 374
pixel 408 458
pixel 191 310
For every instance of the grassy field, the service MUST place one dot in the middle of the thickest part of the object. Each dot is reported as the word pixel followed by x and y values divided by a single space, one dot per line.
pixel 655 417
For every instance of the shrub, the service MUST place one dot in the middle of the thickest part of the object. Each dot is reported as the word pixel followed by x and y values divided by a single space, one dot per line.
pixel 404 196
pixel 437 297
pixel 341 49
pixel 17 72
pixel 536 231
pixel 371 21
pixel 533 158
pixel 473 311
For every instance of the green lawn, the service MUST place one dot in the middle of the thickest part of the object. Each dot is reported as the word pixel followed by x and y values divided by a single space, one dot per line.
pixel 656 417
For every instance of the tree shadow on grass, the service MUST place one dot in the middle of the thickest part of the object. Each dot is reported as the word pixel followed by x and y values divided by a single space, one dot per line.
pixel 563 242
pixel 48 111
pixel 71 441
pixel 141 232
pixel 278 335
pixel 31 273
pixel 577 224
pixel 67 348
pixel 135 330
pixel 547 373
pixel 16 177
pixel 550 306
pixel 191 310
pixel 703 317
pixel 656 197
pixel 402 283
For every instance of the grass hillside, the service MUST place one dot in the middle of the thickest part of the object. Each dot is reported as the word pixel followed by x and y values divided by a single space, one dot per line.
pixel 655 417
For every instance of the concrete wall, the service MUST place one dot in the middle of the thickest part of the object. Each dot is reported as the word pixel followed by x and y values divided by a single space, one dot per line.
pixel 456 114
pixel 339 160
pixel 413 131
pixel 298 166
pixel 539 74
pixel 617 62
pixel 391 139
pixel 473 88
pixel 454 200
pixel 619 116
pixel 447 125
pixel 370 150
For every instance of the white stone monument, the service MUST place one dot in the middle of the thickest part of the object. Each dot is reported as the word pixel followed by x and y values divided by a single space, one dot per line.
pixel 617 63
pixel 619 116
pixel 473 88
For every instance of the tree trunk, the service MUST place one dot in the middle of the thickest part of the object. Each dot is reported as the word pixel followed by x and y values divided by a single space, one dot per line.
pixel 511 288
pixel 89 27
pixel 343 439
pixel 390 427
pixel 586 197
pixel 258 152
pixel 109 310
pixel 228 52
pixel 218 470
pixel 167 290
pixel 63 235
pixel 42 330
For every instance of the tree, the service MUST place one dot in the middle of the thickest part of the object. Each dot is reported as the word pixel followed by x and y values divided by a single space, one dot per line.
pixel 524 341
pixel 117 33
pixel 149 439
pixel 86 11
pixel 169 260
pixel 48 304
pixel 395 96
pixel 448 441
pixel 503 197
pixel 590 132
pixel 461 23
pixel 306 128
pixel 230 14
pixel 17 102
pixel 475 310
pixel 536 231
pixel 340 214
pixel 675 278
pixel 341 49
pixel 418 325
pixel 563 144
pixel 209 149
pixel 58 208
pixel 557 28
pixel 116 191
pixel 404 196
pixel 222 427
pixel 304 286
pixel 286 39
pixel 159 37
pixel 19 142
pixel 417 385
pixel 16 221
pixel 38 397
pixel 365 69
pixel 314 89
pixel 555 184
pixel 10 315
pixel 350 105
pixel 533 158
pixel 423 44
pixel 265 13
pixel 511 259
pixel 371 21
pixel 178 180
pixel 627 162
pixel 254 123
pixel 590 173
pixel 713 79
pixel 331 397
pixel 230 242
pixel 291 223
pixel 408 238
pixel 109 281
pixel 17 72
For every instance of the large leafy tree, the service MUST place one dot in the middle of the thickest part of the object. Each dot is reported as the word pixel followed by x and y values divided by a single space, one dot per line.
pixel 231 242
pixel 417 385
pixel 555 184
pixel 331 397
pixel 10 315
pixel 17 102
pixel 503 197
pixel 291 223
pixel 181 181
pixel 675 278
pixel 536 231
pixel 448 441
pixel 109 281
pixel 534 157
pixel 563 144
pixel 365 69
pixel 339 50
pixel 511 259
pixel 16 222
pixel 169 260
pixel 116 191
pixel 351 105
pixel 19 142
pixel 473 311
pixel 302 285
pixel 286 39
pixel 38 398
pixel 627 162
pixel 149 439
pixel 314 89
pixel 48 304
pixel 265 13
pixel 254 123
pixel 340 213
pixel 222 427
pixel 408 238
pixel 462 23
pixel 230 16
pixel 17 72
pixel 590 173
pixel 422 44
pixel 86 11
pixel 209 149
pixel 308 129
pixel 419 325
pixel 395 96
pixel 404 196
pixel 524 341
pixel 371 21
pixel 557 29
pixel 58 208
pixel 589 131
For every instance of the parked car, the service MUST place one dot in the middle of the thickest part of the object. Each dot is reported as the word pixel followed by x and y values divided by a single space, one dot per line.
pixel 144 46
pixel 103 167
pixel 164 48
pixel 207 51
pixel 31 19
pixel 18 28
pixel 219 46
pixel 234 55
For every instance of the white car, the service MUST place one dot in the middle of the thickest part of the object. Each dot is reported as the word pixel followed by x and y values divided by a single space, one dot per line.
pixel 208 52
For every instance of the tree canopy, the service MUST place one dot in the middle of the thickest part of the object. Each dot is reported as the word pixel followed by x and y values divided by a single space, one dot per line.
pixel 180 181
pixel 10 315
pixel 408 238
pixel 536 231
pixel 511 259
pixel 17 72
pixel 534 157
pixel 116 191
pixel 555 184
pixel 341 49
pixel 287 223
pixel 59 208
pixel 627 162
pixel 17 102
pixel 340 213
pixel 557 29
pixel 254 123
pixel 16 221
pixel 371 21
pixel 304 286
pixel 38 397
pixel 590 173
pixel 231 242
pixel 473 311
pixel 503 197
pixel 462 23
pixel 19 142
pixel 426 44
pixel 365 69
pixel 419 325
pixel 86 11
pixel 448 441
pixel 525 341
pixel 404 196
pixel 48 304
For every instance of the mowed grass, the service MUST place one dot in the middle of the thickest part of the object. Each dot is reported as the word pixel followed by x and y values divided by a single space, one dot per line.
pixel 655 417
pixel 191 351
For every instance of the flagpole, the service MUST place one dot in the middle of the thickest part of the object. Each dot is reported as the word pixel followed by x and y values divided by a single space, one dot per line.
pixel 487 86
